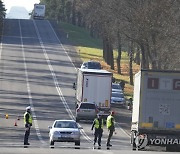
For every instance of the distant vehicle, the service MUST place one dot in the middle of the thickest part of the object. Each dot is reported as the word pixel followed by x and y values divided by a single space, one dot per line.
pixel 116 88
pixel 39 11
pixel 91 65
pixel 155 112
pixel 65 131
pixel 117 98
pixel 94 86
pixel 86 111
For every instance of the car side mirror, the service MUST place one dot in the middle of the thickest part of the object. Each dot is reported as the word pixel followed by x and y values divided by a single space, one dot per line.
pixel 50 127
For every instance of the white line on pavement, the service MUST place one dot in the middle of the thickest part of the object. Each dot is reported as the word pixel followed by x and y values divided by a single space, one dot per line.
pixel 55 78
pixel 29 90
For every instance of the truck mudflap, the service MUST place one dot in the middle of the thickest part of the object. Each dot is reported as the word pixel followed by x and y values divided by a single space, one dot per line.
pixel 169 139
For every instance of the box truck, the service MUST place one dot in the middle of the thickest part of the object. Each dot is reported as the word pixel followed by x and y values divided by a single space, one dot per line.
pixel 156 109
pixel 39 11
pixel 94 86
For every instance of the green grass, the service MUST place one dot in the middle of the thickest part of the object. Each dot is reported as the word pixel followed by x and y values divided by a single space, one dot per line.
pixel 91 49
pixel 81 37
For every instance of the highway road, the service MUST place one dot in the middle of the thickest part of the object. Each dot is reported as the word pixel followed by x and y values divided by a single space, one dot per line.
pixel 36 70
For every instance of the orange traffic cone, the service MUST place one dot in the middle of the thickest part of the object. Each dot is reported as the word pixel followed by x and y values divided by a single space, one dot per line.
pixel 15 123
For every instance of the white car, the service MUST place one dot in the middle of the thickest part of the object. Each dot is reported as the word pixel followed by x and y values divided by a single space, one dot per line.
pixel 65 131
pixel 117 98
pixel 116 88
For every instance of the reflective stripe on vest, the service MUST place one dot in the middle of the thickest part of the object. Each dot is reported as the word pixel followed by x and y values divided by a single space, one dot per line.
pixel 30 118
pixel 97 123
pixel 109 122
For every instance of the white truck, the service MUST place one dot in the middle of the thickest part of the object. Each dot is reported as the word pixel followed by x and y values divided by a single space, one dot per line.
pixel 156 110
pixel 94 86
pixel 39 11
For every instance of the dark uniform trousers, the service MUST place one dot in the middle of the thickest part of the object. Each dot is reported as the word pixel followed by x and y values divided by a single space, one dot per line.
pixel 111 131
pixel 26 136
pixel 98 134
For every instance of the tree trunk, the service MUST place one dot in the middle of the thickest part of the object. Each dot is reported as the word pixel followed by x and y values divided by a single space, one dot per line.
pixel 130 63
pixel 119 54
pixel 137 58
pixel 74 13
pixel 105 48
pixel 111 55
pixel 143 60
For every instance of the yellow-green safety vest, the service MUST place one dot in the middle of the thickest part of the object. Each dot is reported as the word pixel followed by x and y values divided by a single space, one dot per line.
pixel 108 122
pixel 30 118
pixel 97 123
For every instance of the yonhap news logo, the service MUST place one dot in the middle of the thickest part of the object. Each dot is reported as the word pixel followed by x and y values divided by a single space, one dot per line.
pixel 142 141
pixel 164 141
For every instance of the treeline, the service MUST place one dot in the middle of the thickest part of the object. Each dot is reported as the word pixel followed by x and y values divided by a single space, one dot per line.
pixel 2 15
pixel 148 30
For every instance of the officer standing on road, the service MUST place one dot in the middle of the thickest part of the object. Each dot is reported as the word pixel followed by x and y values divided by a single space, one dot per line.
pixel 110 123
pixel 98 124
pixel 28 124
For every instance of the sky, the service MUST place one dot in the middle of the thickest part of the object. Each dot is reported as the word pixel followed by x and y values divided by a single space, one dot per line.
pixel 19 9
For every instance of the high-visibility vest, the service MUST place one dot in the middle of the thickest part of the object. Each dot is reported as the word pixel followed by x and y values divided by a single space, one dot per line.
pixel 30 118
pixel 109 121
pixel 97 123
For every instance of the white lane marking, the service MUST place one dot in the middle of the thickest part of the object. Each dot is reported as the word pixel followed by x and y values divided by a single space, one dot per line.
pixel 55 79
pixel 29 90
pixel 76 70
pixel 1 40
pixel 128 135
pixel 0 49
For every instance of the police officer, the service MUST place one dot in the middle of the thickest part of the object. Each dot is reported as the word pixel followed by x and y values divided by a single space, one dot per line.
pixel 110 123
pixel 98 124
pixel 28 124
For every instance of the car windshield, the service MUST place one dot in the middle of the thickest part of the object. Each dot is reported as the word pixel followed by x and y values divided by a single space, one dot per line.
pixel 87 106
pixel 118 95
pixel 116 86
pixel 94 65
pixel 65 124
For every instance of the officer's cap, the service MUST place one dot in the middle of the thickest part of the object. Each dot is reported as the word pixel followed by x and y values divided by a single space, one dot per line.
pixel 28 108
